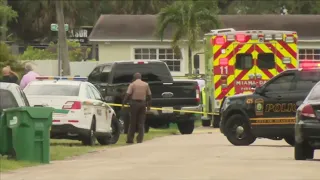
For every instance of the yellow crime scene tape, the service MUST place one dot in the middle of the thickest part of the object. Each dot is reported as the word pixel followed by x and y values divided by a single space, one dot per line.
pixel 160 109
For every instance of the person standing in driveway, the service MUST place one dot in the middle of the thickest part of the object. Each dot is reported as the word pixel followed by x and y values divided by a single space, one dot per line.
pixel 140 94
pixel 29 76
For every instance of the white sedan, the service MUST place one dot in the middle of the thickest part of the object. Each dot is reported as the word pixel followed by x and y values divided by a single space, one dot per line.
pixel 83 114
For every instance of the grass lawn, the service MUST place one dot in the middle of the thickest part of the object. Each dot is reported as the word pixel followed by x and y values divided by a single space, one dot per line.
pixel 63 149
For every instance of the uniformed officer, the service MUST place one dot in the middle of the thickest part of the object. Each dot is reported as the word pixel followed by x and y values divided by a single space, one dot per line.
pixel 140 94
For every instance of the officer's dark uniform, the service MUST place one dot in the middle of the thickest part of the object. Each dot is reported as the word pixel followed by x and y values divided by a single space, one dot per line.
pixel 138 90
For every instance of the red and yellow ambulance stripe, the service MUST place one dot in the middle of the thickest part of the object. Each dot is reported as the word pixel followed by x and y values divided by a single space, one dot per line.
pixel 230 49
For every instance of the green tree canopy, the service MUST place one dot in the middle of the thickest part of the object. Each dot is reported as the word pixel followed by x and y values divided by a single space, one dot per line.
pixel 190 20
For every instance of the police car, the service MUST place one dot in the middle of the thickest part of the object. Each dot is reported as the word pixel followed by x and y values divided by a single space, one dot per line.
pixel 270 111
pixel 84 115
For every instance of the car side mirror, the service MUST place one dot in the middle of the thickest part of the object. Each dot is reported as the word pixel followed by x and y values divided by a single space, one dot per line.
pixel 299 103
pixel 196 61
pixel 253 86
pixel 259 90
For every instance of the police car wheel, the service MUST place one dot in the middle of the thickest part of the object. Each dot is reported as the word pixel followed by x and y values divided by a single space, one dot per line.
pixel 303 151
pixel 290 140
pixel 238 132
pixel 115 134
pixel 90 139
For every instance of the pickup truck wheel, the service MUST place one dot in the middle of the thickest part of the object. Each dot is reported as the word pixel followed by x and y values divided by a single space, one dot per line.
pixel 146 128
pixel 303 151
pixel 186 127
pixel 115 134
pixel 290 140
pixel 238 131
pixel 89 139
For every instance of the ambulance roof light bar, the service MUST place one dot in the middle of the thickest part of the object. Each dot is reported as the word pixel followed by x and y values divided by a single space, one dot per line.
pixel 62 78
pixel 216 31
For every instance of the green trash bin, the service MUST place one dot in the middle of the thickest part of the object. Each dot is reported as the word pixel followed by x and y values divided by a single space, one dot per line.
pixel 5 137
pixel 30 132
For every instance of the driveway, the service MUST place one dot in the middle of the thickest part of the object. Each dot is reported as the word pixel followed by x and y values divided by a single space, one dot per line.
pixel 201 156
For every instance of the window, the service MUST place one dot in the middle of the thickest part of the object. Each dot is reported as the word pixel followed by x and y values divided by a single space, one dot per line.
pixel 266 61
pixel 104 76
pixel 315 93
pixel 282 83
pixel 310 54
pixel 89 94
pixel 123 72
pixel 96 93
pixel 167 55
pixel 244 61
pixel 307 80
pixel 7 100
pixel 52 90
pixel 95 74
pixel 23 97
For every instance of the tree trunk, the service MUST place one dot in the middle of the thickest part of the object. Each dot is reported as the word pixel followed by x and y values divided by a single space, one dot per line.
pixel 4 24
pixel 62 36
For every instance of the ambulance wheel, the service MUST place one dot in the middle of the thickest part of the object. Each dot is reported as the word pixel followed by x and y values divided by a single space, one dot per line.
pixel 290 140
pixel 216 121
pixel 206 123
pixel 238 131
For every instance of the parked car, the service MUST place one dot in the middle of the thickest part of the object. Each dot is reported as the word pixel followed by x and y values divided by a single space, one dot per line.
pixel 307 127
pixel 112 79
pixel 12 96
pixel 269 112
pixel 87 116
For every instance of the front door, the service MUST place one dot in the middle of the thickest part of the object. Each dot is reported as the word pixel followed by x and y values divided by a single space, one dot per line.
pixel 264 62
pixel 276 105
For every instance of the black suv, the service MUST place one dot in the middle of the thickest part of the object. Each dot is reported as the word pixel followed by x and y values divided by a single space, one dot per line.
pixel 270 111
pixel 307 128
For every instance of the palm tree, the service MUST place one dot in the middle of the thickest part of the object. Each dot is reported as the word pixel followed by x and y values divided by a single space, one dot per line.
pixel 190 19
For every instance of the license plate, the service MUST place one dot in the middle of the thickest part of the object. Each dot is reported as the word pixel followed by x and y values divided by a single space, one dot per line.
pixel 167 110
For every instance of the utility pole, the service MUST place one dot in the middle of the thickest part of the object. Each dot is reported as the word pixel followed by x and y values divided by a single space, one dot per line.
pixel 64 66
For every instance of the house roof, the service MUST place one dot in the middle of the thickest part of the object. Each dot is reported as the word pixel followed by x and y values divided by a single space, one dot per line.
pixel 142 27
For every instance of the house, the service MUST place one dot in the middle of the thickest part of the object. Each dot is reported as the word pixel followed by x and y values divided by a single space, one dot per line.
pixel 131 37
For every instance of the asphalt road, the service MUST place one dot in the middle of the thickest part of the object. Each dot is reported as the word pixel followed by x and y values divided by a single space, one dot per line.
pixel 200 156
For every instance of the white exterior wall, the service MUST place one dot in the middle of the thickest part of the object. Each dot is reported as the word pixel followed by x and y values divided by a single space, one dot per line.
pixel 115 51
pixel 124 51
pixel 50 67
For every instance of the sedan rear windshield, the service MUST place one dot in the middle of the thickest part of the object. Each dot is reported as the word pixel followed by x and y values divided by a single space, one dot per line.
pixel 52 90
pixel 123 73
pixel 315 93
pixel 7 100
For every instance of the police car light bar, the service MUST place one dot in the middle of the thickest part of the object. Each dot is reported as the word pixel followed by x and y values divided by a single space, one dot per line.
pixel 62 78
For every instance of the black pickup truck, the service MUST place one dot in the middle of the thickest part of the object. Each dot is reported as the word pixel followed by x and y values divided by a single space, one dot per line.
pixel 112 79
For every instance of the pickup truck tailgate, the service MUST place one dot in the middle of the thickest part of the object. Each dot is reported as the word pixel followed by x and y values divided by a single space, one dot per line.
pixel 174 94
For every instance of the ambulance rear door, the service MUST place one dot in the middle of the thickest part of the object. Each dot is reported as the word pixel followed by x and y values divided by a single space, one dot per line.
pixel 264 62
pixel 244 69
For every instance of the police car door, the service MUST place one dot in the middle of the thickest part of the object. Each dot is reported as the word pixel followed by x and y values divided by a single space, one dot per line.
pixel 264 62
pixel 102 111
pixel 276 100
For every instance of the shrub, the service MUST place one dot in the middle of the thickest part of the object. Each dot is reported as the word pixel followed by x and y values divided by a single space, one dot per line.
pixel 76 52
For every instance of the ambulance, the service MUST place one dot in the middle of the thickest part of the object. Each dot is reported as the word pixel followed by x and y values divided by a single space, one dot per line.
pixel 238 61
